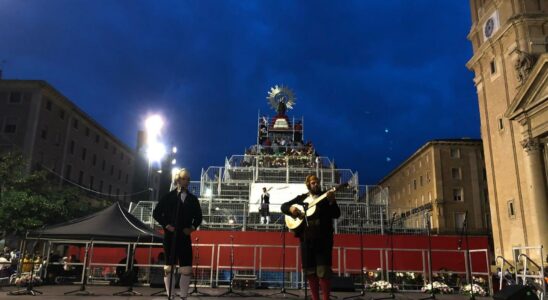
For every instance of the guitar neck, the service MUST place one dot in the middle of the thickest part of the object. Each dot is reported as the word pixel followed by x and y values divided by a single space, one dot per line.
pixel 320 198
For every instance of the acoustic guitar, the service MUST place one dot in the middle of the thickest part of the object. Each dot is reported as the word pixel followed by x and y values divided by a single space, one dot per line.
pixel 294 223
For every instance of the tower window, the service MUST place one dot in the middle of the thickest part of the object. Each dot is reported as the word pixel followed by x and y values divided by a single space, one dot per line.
pixel 511 209
pixel 500 123
pixel 493 66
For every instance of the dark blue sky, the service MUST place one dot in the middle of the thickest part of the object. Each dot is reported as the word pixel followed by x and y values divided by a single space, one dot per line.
pixel 374 80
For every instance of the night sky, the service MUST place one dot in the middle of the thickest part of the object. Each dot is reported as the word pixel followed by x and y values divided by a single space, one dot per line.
pixel 374 80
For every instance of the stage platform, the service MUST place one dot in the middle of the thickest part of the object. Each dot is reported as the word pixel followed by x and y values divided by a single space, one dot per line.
pixel 106 293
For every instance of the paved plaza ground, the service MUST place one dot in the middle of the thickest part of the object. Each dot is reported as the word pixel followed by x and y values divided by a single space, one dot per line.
pixel 106 292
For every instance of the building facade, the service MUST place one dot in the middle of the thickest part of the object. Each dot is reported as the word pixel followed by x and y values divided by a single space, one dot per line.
pixel 510 62
pixel 56 135
pixel 445 179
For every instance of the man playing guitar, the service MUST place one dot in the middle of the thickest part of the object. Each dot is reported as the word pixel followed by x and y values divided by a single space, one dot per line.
pixel 316 235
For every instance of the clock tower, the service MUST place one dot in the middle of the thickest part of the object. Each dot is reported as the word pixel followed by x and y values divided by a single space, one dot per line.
pixel 510 63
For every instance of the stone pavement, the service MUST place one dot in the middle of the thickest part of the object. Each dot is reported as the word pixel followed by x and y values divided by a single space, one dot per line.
pixel 106 293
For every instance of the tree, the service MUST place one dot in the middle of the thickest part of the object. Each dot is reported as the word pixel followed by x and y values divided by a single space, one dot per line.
pixel 29 200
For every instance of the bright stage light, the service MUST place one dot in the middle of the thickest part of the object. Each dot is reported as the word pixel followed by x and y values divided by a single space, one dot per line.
pixel 155 152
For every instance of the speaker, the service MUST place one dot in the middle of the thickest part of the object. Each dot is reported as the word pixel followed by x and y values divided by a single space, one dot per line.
pixel 342 284
pixel 516 292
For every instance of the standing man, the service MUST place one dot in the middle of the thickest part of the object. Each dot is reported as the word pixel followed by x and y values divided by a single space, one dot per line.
pixel 265 207
pixel 179 213
pixel 316 237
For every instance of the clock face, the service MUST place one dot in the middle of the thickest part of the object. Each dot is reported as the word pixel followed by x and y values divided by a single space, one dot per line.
pixel 489 26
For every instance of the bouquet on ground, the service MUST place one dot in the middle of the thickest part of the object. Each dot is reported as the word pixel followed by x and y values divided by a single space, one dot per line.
pixel 439 288
pixel 381 286
pixel 478 290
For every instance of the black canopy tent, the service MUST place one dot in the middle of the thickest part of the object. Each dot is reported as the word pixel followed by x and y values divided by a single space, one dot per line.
pixel 110 224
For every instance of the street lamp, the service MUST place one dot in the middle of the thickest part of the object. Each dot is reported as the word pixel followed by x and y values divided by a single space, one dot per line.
pixel 155 150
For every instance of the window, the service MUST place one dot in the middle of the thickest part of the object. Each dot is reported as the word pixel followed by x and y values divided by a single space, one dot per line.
pixel 456 173
pixel 87 131
pixel 457 194
pixel 427 176
pixel 84 152
pixel 80 177
pixel 493 66
pixel 114 150
pixel 62 114
pixel 119 174
pixel 121 155
pixel 97 138
pixel 10 126
pixel 409 188
pixel 111 169
pixel 44 133
pixel 414 184
pixel 91 179
pixel 110 189
pixel 127 178
pixel 500 123
pixel 420 180
pixel 68 170
pixel 75 124
pixel 71 148
pixel 455 153
pixel 459 220
pixel 48 104
pixel 103 165
pixel 511 209
pixel 106 145
pixel 100 186
pixel 94 160
pixel 15 98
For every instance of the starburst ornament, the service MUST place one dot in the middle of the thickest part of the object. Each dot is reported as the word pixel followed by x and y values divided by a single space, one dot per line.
pixel 280 97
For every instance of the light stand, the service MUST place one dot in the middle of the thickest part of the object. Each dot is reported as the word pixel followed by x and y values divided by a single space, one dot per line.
pixel 29 290
pixel 130 291
pixel 432 294
pixel 362 292
pixel 197 259
pixel 82 290
pixel 230 292
pixel 464 232
pixel 391 238
pixel 283 292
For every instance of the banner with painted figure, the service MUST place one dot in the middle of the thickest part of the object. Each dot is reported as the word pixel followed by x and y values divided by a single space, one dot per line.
pixel 279 193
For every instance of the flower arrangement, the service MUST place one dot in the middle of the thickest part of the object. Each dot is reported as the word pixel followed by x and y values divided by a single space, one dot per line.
pixel 478 290
pixel 24 280
pixel 381 286
pixel 439 288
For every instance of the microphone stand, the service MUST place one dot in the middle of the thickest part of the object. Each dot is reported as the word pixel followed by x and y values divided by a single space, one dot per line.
pixel 173 243
pixel 464 233
pixel 230 292
pixel 283 292
pixel 391 238
pixel 130 291
pixel 82 290
pixel 362 292
pixel 29 290
pixel 432 294
pixel 197 259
